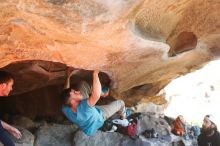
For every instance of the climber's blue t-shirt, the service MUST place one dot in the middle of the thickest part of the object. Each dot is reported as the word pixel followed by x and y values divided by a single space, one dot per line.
pixel 88 119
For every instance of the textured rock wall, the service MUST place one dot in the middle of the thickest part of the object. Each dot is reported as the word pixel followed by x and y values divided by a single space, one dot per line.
pixel 141 44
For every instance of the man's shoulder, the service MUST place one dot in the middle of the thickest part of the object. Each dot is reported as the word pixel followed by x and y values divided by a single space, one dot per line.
pixel 85 105
pixel 201 136
pixel 217 134
pixel 217 137
pixel 84 102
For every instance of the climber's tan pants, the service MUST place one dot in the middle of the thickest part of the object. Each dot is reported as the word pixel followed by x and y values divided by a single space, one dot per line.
pixel 112 108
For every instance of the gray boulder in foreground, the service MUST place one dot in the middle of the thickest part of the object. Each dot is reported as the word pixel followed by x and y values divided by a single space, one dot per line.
pixel 55 135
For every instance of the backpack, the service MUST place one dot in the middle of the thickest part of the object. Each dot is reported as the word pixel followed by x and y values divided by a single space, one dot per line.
pixel 130 130
pixel 195 131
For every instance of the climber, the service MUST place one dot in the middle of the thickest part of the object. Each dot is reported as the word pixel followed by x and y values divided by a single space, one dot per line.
pixel 83 111
pixel 6 83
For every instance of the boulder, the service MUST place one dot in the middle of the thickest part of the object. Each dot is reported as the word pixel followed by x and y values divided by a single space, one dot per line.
pixel 23 122
pixel 55 135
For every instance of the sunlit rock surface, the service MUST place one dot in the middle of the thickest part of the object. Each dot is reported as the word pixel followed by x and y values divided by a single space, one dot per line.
pixel 140 44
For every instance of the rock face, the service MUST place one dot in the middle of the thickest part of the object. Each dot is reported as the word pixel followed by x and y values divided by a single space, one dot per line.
pixel 140 44
pixel 55 134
